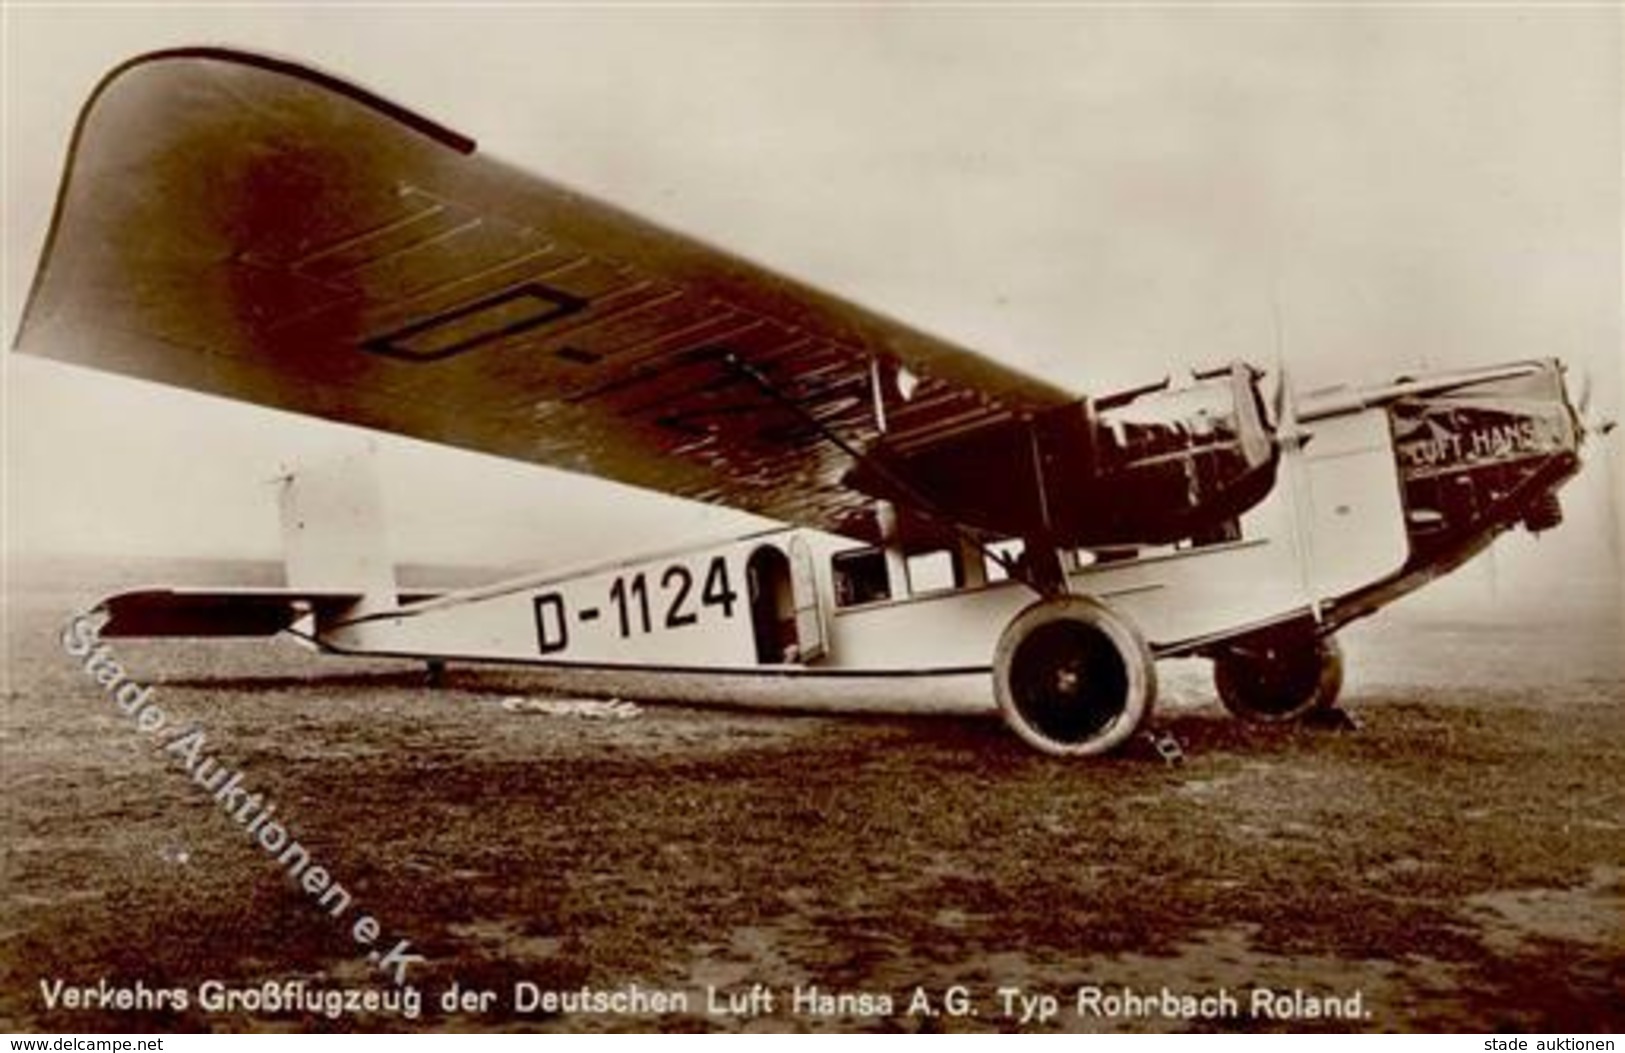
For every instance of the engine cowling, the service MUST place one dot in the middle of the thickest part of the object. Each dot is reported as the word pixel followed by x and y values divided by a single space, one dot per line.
pixel 1073 677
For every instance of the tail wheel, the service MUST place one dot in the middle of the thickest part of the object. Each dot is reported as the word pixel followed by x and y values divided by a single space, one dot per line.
pixel 1073 677
pixel 1279 679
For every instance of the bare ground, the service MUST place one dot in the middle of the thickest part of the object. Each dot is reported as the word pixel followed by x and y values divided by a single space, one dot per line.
pixel 1459 862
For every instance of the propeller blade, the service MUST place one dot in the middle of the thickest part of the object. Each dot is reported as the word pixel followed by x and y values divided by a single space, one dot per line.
pixel 1595 424
pixel 1281 403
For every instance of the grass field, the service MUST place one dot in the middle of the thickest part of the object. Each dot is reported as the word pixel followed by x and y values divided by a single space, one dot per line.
pixel 1459 862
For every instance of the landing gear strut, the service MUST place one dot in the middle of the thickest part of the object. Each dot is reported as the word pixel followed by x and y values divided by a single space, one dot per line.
pixel 1279 678
pixel 434 673
pixel 1073 677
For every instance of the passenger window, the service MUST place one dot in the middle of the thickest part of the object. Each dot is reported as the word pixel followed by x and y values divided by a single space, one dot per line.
pixel 1011 549
pixel 860 577
pixel 931 572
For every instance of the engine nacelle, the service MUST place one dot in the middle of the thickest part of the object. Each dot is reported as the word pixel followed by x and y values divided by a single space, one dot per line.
pixel 1073 676
pixel 1151 466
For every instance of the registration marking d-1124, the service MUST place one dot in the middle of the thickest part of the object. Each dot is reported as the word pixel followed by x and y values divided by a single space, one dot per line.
pixel 635 604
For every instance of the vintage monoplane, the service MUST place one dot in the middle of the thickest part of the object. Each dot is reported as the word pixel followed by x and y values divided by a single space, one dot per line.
pixel 958 536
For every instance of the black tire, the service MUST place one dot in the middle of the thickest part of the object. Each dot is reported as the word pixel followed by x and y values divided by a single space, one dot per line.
pixel 1280 679
pixel 1073 677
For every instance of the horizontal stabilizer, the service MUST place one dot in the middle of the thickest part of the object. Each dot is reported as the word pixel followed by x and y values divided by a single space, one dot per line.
pixel 214 612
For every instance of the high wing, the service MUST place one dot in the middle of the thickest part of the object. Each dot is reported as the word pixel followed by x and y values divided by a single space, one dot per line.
pixel 250 228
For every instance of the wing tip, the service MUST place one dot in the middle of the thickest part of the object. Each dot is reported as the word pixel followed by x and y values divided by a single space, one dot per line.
pixel 430 129
pixel 424 126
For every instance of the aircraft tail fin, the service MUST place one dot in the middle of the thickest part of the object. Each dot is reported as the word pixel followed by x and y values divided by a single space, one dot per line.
pixel 333 531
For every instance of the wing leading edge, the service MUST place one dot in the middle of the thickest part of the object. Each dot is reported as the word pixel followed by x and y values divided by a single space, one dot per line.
pixel 250 228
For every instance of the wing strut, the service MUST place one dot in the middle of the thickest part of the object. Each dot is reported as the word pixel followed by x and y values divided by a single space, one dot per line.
pixel 1041 573
pixel 1041 565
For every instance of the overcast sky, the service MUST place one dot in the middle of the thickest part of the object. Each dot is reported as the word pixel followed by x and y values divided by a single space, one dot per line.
pixel 1096 195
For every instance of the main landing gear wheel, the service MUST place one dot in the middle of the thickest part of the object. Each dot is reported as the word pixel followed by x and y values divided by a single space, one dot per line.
pixel 1280 679
pixel 1073 677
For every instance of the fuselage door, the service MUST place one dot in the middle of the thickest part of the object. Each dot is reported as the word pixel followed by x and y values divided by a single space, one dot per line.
pixel 804 586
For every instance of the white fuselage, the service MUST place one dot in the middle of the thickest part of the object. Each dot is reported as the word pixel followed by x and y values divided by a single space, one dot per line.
pixel 770 620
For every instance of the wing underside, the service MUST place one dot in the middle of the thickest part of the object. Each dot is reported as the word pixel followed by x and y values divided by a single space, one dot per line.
pixel 252 229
